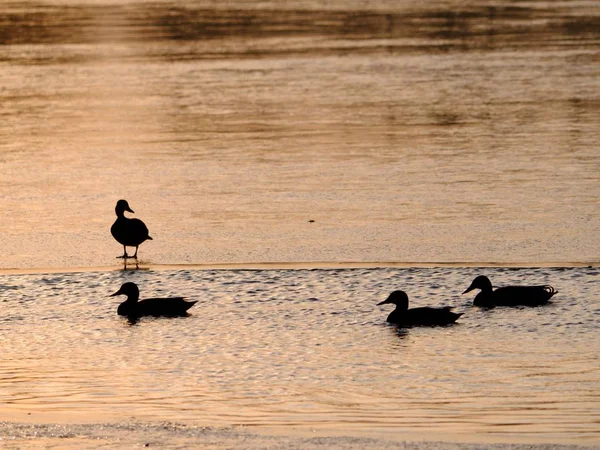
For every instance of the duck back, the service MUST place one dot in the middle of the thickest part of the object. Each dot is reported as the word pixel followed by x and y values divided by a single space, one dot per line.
pixel 166 307
pixel 516 296
pixel 424 316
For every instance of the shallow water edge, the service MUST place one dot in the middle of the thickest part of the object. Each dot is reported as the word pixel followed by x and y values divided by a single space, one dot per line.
pixel 305 265
pixel 175 435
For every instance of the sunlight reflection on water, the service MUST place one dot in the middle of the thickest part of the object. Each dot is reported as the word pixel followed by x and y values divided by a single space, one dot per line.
pixel 406 133
pixel 258 132
pixel 308 348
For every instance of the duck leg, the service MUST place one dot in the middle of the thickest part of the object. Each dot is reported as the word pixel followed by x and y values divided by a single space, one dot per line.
pixel 125 255
pixel 135 254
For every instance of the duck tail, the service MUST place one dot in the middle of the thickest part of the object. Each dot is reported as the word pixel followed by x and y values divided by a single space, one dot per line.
pixel 149 238
pixel 188 305
pixel 551 291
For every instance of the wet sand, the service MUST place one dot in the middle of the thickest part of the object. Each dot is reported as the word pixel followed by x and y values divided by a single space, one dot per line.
pixel 172 436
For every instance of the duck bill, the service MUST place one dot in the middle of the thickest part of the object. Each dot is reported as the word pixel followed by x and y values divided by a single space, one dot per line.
pixel 116 293
pixel 385 302
pixel 469 289
pixel 130 210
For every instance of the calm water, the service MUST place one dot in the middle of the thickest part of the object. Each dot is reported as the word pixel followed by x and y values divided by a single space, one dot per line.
pixel 306 348
pixel 302 132
pixel 446 132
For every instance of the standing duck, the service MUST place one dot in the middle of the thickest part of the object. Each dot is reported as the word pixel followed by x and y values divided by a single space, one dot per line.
pixel 509 295
pixel 128 232
pixel 167 307
pixel 426 315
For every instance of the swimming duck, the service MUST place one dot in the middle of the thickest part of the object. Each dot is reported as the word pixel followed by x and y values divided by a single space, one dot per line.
pixel 128 232
pixel 417 316
pixel 509 295
pixel 168 307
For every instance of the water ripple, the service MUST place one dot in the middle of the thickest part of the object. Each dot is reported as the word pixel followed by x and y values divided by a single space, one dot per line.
pixel 274 347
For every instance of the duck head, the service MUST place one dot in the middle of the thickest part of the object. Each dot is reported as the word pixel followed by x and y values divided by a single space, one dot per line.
pixel 130 290
pixel 481 282
pixel 398 298
pixel 121 207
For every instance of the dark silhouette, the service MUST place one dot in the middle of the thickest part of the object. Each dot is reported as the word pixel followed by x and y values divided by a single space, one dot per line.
pixel 509 295
pixel 425 316
pixel 128 232
pixel 167 307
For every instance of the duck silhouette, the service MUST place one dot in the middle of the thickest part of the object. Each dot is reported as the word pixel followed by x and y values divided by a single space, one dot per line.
pixel 509 295
pixel 128 232
pixel 423 316
pixel 167 307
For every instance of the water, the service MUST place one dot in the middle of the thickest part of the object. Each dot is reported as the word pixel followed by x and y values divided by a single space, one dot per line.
pixel 432 140
pixel 306 348
pixel 445 132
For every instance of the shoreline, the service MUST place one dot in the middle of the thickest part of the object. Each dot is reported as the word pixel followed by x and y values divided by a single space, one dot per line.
pixel 167 434
pixel 315 265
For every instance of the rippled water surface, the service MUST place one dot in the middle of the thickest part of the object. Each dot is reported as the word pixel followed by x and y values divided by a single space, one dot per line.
pixel 306 348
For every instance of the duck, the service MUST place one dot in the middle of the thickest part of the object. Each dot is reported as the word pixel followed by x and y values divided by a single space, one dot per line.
pixel 424 316
pixel 166 307
pixel 509 295
pixel 128 232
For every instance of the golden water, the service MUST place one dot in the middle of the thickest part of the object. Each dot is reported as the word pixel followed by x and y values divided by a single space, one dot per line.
pixel 306 134
pixel 306 349
pixel 446 132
